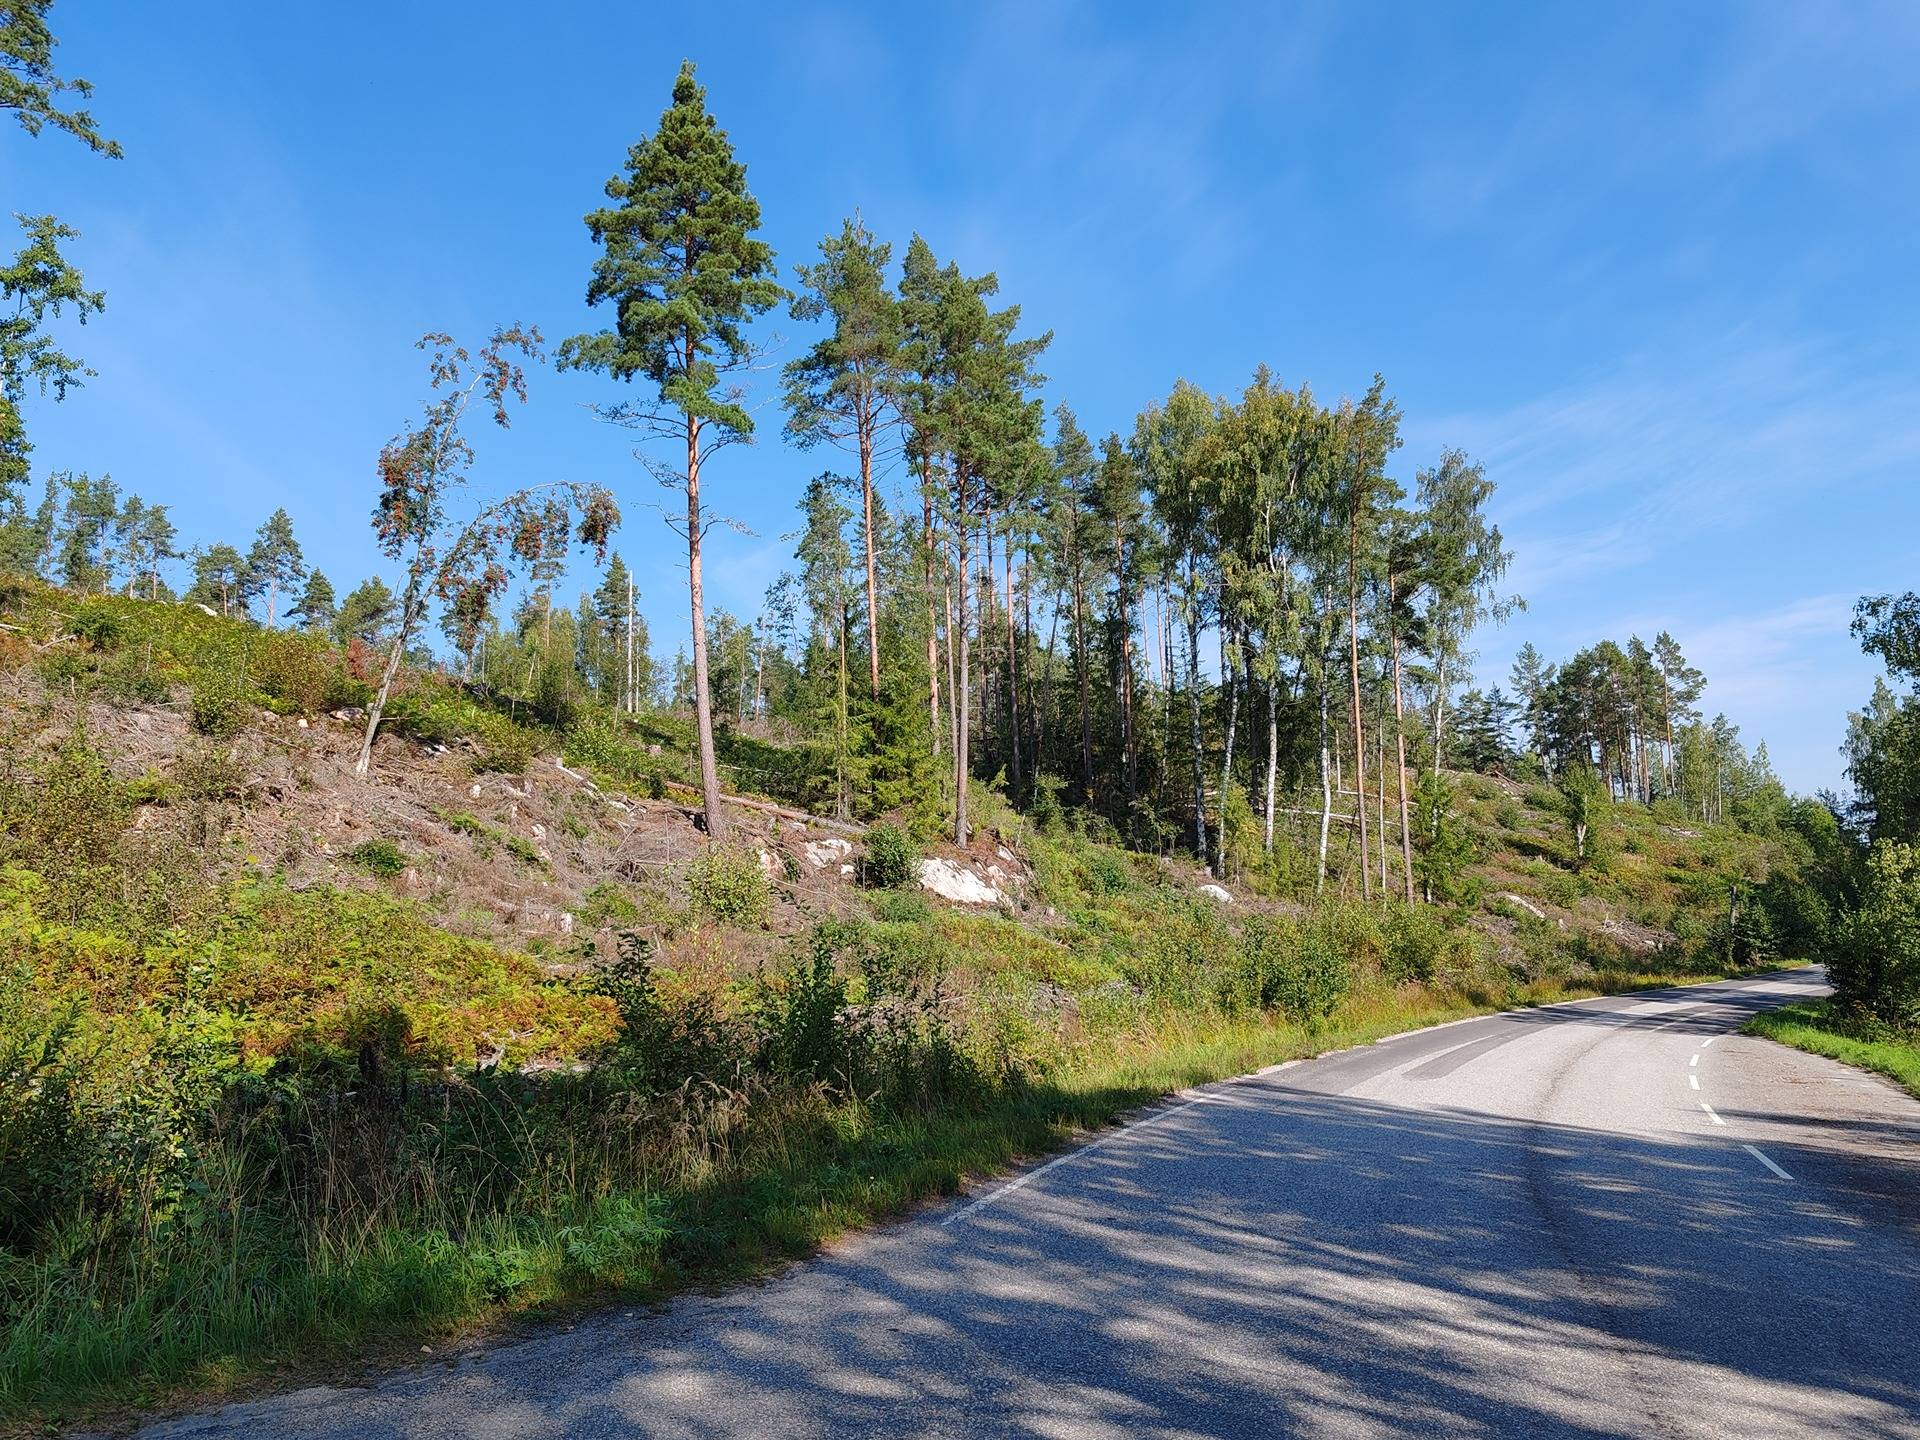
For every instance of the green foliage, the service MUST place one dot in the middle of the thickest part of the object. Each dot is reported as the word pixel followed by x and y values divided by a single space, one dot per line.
pixel 1875 966
pixel 44 1134
pixel 1302 971
pixel 728 887
pixel 1583 804
pixel 381 858
pixel 1444 845
pixel 219 702
pixel 804 1014
pixel 302 673
pixel 891 859
pixel 683 195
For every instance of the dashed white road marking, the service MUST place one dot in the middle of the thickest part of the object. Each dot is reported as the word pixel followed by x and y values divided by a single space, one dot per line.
pixel 1695 1080
pixel 1696 1058
pixel 1710 1113
pixel 1708 1041
pixel 1766 1162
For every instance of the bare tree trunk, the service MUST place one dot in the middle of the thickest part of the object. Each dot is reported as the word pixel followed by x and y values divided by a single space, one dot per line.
pixel 759 664
pixel 1085 690
pixel 1326 790
pixel 630 697
pixel 873 590
pixel 408 614
pixel 953 683
pixel 1353 670
pixel 1273 758
pixel 696 598
pixel 842 788
pixel 1193 716
pixel 1400 750
pixel 1227 679
pixel 1046 706
pixel 963 694
pixel 1380 773
pixel 1125 599
pixel 1013 674
pixel 933 623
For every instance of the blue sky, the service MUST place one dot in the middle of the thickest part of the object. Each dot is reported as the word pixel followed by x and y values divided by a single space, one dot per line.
pixel 1654 265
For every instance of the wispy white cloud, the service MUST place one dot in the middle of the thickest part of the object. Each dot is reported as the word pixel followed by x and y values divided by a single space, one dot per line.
pixel 1668 446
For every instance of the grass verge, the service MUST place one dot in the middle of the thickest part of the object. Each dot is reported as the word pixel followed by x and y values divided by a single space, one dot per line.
pixel 819 1169
pixel 1814 1026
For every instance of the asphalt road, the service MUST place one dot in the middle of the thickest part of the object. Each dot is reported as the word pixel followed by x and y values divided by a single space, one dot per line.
pixel 1611 1218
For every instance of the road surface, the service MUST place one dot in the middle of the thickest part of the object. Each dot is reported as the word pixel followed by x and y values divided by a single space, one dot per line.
pixel 1610 1218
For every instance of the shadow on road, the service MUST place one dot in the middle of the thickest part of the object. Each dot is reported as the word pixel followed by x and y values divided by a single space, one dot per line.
pixel 1280 1262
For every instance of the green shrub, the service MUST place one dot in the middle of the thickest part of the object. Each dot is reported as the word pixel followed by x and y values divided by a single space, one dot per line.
pixel 502 745
pixel 662 1040
pixel 1415 942
pixel 97 623
pixel 728 887
pixel 128 677
pixel 1172 960
pixel 219 704
pixel 378 857
pixel 891 859
pixel 805 1032
pixel 301 672
pixel 902 907
pixel 606 904
pixel 1312 977
pixel 43 1131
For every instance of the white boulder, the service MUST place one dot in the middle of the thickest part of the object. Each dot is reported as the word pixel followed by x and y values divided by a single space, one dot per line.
pixel 1218 892
pixel 831 851
pixel 954 882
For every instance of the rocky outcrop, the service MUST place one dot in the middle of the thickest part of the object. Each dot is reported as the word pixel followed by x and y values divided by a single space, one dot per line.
pixel 958 884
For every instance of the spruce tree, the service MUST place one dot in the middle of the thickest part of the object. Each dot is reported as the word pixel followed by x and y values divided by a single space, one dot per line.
pixel 684 275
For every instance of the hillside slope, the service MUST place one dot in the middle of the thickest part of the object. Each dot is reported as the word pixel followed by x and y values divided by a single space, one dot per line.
pixel 291 1058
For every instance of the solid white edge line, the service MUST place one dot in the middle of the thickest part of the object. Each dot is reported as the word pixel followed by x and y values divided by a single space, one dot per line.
pixel 1766 1162
pixel 1710 1113
pixel 1022 1181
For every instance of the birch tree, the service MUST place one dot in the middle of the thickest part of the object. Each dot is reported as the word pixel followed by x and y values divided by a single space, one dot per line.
pixel 426 468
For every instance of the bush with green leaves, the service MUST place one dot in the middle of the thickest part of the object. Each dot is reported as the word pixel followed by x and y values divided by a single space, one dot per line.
pixel 301 673
pixel 728 887
pixel 1875 966
pixel 382 858
pixel 806 1032
pixel 1583 803
pixel 891 860
pixel 1311 976
pixel 130 677
pixel 219 703
pixel 45 1132
pixel 1444 845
